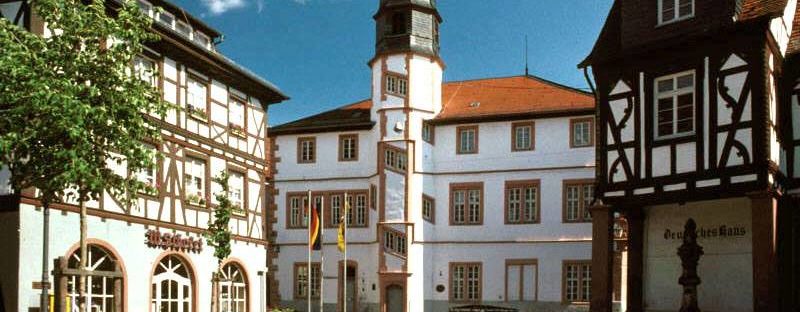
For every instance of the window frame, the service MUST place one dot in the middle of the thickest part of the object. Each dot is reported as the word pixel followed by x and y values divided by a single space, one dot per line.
pixel 239 130
pixel 676 15
pixel 313 157
pixel 295 291
pixel 155 79
pixel 572 134
pixel 674 94
pixel 532 138
pixel 475 139
pixel 466 265
pixel 398 87
pixel 582 209
pixel 342 150
pixel 242 211
pixel 432 215
pixel 399 239
pixel 522 184
pixel 466 187
pixel 581 264
pixel 205 83
pixel 301 213
pixel 522 263
pixel 431 130
pixel 157 163
pixel 393 157
pixel 206 180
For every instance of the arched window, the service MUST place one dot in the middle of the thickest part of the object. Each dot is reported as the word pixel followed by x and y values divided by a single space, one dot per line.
pixel 99 289
pixel 399 24
pixel 172 286
pixel 233 289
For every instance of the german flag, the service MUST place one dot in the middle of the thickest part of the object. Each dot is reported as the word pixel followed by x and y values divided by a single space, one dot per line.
pixel 314 239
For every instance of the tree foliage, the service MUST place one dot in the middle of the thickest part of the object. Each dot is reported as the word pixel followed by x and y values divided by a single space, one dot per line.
pixel 70 103
pixel 219 232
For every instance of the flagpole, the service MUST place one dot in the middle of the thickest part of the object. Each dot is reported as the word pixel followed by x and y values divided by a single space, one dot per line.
pixel 344 273
pixel 308 276
pixel 321 255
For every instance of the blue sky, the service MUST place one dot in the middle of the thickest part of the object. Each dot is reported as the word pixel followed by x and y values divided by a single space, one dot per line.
pixel 316 51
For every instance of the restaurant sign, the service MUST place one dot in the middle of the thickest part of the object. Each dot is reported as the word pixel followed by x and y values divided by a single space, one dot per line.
pixel 156 239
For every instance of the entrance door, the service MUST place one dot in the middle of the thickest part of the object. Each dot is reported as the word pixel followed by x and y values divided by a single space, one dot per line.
pixel 172 286
pixel 521 278
pixel 394 298
pixel 349 289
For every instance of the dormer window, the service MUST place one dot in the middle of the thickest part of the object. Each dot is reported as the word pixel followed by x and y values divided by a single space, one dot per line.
pixel 674 10
pixel 146 7
pixel 399 24
pixel 202 39
pixel 166 18
pixel 183 28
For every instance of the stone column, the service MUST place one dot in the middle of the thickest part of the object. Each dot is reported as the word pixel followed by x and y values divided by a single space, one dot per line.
pixel 602 258
pixel 635 300
pixel 764 207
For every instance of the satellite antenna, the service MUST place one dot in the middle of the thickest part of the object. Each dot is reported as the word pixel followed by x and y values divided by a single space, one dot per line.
pixel 526 55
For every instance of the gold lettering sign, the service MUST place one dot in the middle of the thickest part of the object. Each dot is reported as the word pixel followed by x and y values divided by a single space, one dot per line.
pixel 156 239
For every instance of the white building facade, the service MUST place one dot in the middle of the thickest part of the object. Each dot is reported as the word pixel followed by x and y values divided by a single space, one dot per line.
pixel 461 193
pixel 152 256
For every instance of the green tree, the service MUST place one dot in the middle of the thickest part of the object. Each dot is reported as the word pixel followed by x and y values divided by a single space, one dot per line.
pixel 218 235
pixel 72 108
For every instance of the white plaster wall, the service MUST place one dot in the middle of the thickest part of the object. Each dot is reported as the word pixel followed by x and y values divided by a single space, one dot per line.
pixel 551 148
pixel 725 269
pixel 139 260
pixel 327 163
pixel 493 258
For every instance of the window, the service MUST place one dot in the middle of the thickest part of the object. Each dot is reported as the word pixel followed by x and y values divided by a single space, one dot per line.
pixel 100 289
pixel 466 206
pixel 194 179
pixel 467 140
pixel 395 158
pixel 581 132
pixel 675 105
pixel 301 278
pixel 172 286
pixel 521 279
pixel 148 175
pixel 360 210
pixel 145 6
pixel 236 192
pixel 465 282
pixel 373 196
pixel 233 289
pixel 202 39
pixel 196 98
pixel 578 197
pixel 522 202
pixel 306 150
pixel 577 281
pixel 336 205
pixel 236 120
pixel 296 204
pixel 348 147
pixel 396 85
pixel 166 18
pixel 183 28
pixel 399 24
pixel 428 209
pixel 674 10
pixel 394 242
pixel 522 136
pixel 427 132
pixel 146 69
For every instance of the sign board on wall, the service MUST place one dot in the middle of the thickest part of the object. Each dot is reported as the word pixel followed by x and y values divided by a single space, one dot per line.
pixel 156 239
pixel 724 231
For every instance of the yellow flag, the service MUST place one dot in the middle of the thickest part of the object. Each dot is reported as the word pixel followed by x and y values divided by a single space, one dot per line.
pixel 342 240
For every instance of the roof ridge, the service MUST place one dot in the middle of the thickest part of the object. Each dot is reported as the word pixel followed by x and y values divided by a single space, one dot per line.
pixel 320 113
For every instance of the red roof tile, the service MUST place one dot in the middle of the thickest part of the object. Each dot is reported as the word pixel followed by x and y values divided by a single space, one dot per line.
pixel 463 101
pixel 756 8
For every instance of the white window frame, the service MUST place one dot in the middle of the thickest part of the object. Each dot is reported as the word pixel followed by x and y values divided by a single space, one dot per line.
pixel 171 16
pixel 236 185
pixel 189 91
pixel 676 14
pixel 674 94
pixel 179 24
pixel 236 116
pixel 192 166
pixel 396 85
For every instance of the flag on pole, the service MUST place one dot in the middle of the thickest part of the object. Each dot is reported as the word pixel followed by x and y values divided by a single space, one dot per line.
pixel 342 237
pixel 314 239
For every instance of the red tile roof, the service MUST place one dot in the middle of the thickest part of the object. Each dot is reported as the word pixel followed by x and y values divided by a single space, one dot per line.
pixel 465 101
pixel 757 8
pixel 794 40
pixel 505 97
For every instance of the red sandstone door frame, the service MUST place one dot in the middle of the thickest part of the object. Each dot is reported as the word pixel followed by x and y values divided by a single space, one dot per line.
pixel 341 295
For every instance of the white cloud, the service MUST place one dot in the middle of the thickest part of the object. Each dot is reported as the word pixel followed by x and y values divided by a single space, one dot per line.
pixel 216 7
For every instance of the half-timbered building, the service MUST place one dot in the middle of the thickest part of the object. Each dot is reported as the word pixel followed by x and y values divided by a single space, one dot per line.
pixel 461 193
pixel 697 119
pixel 151 256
